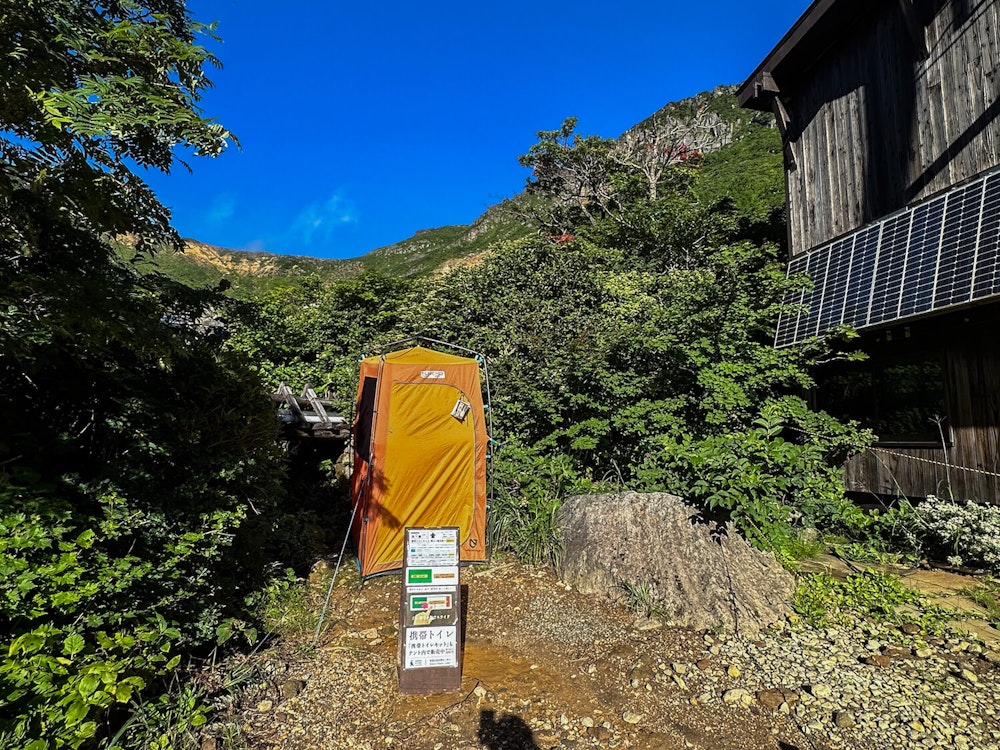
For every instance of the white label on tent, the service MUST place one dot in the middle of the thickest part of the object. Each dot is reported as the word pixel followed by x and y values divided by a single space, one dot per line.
pixel 430 647
pixel 432 374
pixel 461 410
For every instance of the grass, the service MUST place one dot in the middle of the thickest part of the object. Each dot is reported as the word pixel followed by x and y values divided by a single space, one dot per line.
pixel 823 600
pixel 986 596
pixel 639 598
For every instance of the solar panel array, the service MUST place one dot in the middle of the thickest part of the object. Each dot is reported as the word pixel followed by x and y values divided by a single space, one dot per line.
pixel 935 255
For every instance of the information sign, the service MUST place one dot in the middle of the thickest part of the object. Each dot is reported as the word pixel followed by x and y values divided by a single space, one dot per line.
pixel 430 608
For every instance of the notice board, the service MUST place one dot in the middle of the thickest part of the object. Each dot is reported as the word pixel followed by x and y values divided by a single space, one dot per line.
pixel 429 658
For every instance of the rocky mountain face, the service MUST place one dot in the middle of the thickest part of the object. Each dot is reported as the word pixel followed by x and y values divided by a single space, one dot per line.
pixel 710 126
pixel 704 123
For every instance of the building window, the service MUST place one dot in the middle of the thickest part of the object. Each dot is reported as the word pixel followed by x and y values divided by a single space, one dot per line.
pixel 901 400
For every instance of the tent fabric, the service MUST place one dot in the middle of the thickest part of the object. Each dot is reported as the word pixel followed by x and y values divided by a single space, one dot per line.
pixel 415 463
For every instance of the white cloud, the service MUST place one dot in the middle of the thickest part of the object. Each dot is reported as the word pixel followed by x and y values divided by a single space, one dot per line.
pixel 318 221
pixel 222 209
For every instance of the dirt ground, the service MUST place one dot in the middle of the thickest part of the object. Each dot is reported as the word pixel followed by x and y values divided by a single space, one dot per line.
pixel 543 667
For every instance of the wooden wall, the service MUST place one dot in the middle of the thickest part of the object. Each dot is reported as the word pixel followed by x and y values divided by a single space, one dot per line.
pixel 972 357
pixel 875 128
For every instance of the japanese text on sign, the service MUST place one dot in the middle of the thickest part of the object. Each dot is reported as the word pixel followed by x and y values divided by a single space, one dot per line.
pixel 430 647
pixel 430 548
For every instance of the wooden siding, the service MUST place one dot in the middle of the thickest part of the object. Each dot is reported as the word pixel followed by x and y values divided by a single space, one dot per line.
pixel 972 356
pixel 874 128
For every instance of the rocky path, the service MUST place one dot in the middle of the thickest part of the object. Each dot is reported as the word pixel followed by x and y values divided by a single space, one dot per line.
pixel 547 667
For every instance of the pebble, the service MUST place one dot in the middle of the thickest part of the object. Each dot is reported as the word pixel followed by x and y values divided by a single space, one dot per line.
pixel 737 696
pixel 844 719
pixel 631 718
pixel 824 679
pixel 821 691
pixel 771 698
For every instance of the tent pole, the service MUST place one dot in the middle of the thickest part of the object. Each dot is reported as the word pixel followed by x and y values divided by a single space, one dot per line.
pixel 340 558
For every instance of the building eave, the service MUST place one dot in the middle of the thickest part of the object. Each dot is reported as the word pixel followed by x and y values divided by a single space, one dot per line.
pixel 816 31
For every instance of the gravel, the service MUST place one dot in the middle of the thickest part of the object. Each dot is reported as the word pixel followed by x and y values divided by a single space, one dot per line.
pixel 547 667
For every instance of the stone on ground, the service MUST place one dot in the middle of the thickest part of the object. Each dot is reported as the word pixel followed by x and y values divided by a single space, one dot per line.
pixel 699 575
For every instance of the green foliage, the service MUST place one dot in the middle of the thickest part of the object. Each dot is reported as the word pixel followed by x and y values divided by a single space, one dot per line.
pixel 987 596
pixel 529 488
pixel 286 608
pixel 168 721
pixel 764 478
pixel 639 598
pixel 134 448
pixel 750 175
pixel 315 333
pixel 85 87
pixel 823 600
pixel 73 650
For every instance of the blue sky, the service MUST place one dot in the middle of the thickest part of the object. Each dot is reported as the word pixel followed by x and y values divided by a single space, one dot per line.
pixel 363 122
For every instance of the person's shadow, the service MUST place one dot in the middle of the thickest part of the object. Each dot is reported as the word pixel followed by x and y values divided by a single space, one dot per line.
pixel 509 732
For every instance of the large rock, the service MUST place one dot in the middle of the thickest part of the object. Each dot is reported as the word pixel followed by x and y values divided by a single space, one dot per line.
pixel 703 577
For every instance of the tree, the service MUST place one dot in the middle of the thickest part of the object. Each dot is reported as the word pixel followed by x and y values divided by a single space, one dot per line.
pixel 570 174
pixel 132 446
pixel 86 88
pixel 652 147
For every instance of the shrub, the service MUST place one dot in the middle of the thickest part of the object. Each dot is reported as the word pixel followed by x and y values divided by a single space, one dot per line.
pixel 767 479
pixel 823 600
pixel 530 486
pixel 968 533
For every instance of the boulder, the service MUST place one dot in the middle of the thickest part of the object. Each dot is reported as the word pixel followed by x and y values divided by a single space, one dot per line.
pixel 700 575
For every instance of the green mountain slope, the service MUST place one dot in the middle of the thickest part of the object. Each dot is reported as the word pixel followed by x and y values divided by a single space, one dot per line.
pixel 433 250
pixel 739 152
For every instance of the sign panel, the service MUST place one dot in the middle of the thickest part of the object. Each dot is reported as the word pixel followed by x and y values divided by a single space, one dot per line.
pixel 430 608
pixel 432 576
pixel 431 647
pixel 431 548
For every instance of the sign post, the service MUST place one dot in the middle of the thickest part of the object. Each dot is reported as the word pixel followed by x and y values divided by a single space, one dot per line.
pixel 429 658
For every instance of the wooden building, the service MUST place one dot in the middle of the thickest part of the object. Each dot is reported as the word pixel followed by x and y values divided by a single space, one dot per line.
pixel 888 111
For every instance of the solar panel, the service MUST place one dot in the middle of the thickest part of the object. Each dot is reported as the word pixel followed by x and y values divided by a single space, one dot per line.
pixel 938 254
pixel 788 321
pixel 985 279
pixel 925 238
pixel 887 280
pixel 958 246
pixel 835 287
pixel 859 283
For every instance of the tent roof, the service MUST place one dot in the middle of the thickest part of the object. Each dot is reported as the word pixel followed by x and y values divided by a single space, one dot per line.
pixel 419 355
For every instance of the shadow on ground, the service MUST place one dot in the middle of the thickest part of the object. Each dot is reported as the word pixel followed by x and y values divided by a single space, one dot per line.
pixel 509 732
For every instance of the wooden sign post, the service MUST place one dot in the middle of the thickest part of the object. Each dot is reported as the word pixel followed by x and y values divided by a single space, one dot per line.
pixel 429 657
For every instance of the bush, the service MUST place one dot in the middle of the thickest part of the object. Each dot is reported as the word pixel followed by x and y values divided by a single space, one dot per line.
pixel 768 479
pixel 967 533
pixel 530 486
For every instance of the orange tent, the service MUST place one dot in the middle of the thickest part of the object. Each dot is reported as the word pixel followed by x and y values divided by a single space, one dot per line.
pixel 420 454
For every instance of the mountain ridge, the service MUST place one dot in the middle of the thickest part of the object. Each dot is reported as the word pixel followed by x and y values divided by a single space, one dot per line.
pixel 709 124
